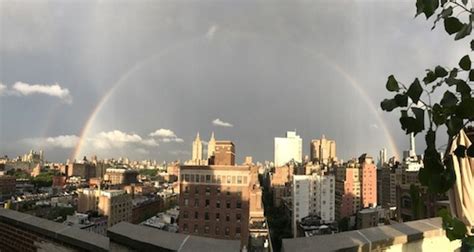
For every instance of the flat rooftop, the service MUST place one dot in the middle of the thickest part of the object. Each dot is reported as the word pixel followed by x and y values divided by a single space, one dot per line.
pixel 149 239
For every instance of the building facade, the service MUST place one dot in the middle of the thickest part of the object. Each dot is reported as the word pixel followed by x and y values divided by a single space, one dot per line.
pixel 323 150
pixel 288 148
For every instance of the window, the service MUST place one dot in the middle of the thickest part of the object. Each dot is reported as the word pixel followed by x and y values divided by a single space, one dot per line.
pixel 207 203
pixel 239 204
pixel 227 217
pixel 218 204
pixel 238 217
pixel 196 202
pixel 185 214
pixel 206 216
pixel 237 231
pixel 217 230
pixel 186 189
pixel 197 178
pixel 206 229
pixel 202 178
pixel 192 177
pixel 208 190
pixel 239 179
pixel 185 227
pixel 228 191
pixel 218 216
pixel 227 204
pixel 218 189
pixel 233 179
pixel 196 215
pixel 219 179
pixel 227 231
pixel 186 177
pixel 245 179
pixel 229 179
pixel 213 178
pixel 196 190
pixel 186 202
pixel 208 178
pixel 196 228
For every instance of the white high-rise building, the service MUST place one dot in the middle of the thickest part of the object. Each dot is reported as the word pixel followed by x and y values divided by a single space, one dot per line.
pixel 288 148
pixel 313 195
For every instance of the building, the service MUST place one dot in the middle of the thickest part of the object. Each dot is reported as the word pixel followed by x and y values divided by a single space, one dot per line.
pixel 216 201
pixel 197 152
pixel 7 187
pixel 288 148
pixel 121 176
pixel 115 204
pixel 85 222
pixel 83 170
pixel 280 181
pixel 224 153
pixel 356 186
pixel 323 150
pixel 211 146
pixel 313 195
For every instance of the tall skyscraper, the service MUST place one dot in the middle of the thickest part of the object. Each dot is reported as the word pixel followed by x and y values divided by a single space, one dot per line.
pixel 288 148
pixel 323 150
pixel 197 148
pixel 211 146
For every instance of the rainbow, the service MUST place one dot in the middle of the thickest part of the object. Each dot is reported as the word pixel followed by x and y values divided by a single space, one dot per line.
pixel 338 68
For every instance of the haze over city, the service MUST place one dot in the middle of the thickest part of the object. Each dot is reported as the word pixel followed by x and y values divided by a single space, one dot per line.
pixel 141 79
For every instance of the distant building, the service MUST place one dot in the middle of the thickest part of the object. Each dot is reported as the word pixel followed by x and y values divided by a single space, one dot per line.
pixel 83 170
pixel 115 204
pixel 7 187
pixel 211 146
pixel 313 195
pixel 356 186
pixel 288 148
pixel 280 181
pixel 121 176
pixel 323 150
pixel 224 153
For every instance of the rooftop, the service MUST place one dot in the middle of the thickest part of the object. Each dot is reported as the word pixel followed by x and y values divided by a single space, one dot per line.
pixel 426 234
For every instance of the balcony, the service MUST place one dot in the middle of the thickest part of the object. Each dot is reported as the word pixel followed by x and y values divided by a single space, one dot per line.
pixel 421 235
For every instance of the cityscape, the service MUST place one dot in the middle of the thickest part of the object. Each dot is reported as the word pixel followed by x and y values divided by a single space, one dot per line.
pixel 235 126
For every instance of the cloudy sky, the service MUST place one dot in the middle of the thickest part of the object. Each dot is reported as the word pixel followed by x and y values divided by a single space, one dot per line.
pixel 141 78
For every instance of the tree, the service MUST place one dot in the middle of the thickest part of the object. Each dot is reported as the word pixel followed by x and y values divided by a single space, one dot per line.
pixel 454 110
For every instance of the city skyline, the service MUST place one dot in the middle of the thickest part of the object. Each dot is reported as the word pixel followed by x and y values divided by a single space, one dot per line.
pixel 199 69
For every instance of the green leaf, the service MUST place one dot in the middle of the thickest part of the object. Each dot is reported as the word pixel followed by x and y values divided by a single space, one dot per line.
pixel 465 63
pixel 465 109
pixel 464 2
pixel 454 125
pixel 469 240
pixel 472 45
pixel 453 73
pixel 439 116
pixel 401 100
pixel 449 99
pixel 444 13
pixel 465 30
pixel 420 119
pixel 440 71
pixel 470 150
pixel 392 84
pixel 471 75
pixel 463 88
pixel 452 25
pixel 430 77
pixel 388 105
pixel 415 90
pixel 428 7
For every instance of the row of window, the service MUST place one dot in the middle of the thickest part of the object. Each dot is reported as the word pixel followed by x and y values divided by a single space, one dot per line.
pixel 207 216
pixel 217 230
pixel 214 179
pixel 207 203
pixel 208 190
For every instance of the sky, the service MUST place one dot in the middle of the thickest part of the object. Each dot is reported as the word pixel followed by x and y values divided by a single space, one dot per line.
pixel 139 79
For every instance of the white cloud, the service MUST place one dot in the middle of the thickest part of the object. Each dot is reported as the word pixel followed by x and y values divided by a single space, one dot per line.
pixel 163 133
pixel 212 30
pixel 219 122
pixel 63 141
pixel 166 136
pixel 117 138
pixel 55 90
pixel 3 88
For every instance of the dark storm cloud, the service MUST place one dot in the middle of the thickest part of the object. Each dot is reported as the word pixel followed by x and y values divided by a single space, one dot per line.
pixel 263 67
